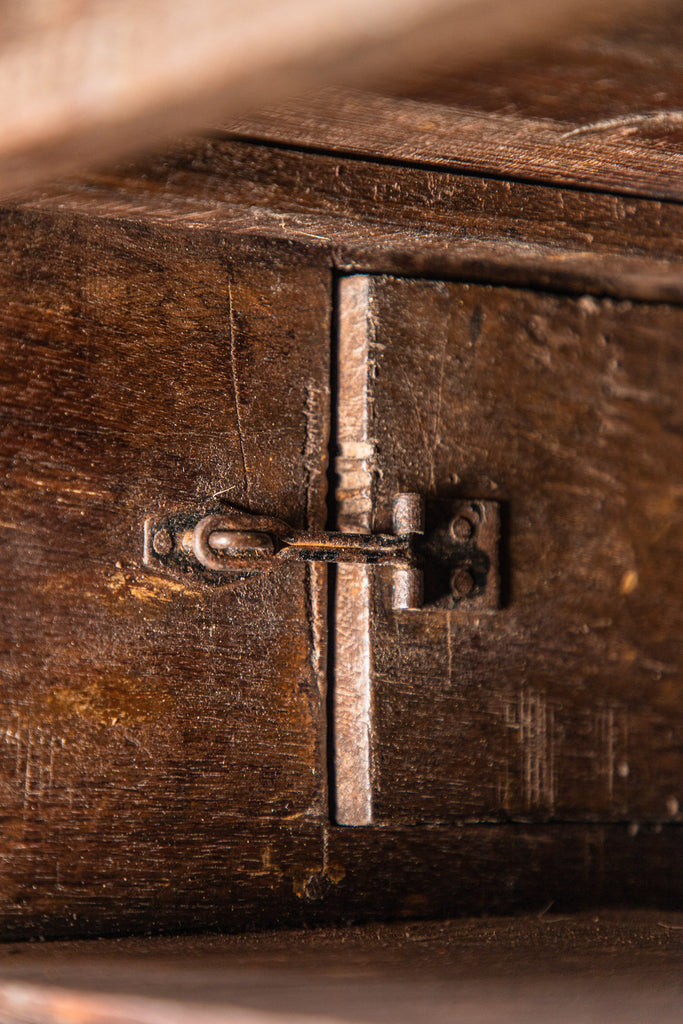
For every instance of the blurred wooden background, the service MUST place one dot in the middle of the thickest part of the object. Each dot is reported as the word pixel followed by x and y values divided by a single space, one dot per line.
pixel 84 81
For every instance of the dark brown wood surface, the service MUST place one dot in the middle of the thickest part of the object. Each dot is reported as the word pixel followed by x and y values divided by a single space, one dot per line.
pixel 613 73
pixel 611 967
pixel 566 702
pixel 201 283
pixel 147 715
pixel 360 215
pixel 595 108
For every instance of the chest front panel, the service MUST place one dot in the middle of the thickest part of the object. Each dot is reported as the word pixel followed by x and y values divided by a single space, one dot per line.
pixel 565 700
pixel 147 715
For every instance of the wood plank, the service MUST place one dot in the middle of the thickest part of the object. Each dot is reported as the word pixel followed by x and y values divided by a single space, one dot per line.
pixel 82 83
pixel 401 872
pixel 565 703
pixel 600 108
pixel 144 371
pixel 639 156
pixel 357 215
pixel 224 875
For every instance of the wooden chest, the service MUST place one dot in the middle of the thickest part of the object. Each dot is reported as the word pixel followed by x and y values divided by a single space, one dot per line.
pixel 246 680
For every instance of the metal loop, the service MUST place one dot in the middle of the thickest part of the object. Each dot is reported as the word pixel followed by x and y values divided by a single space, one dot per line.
pixel 217 546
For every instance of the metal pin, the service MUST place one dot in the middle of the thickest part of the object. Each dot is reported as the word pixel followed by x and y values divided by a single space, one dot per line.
pixel 239 541
pixel 461 529
pixel 408 514
pixel 407 587
pixel 163 542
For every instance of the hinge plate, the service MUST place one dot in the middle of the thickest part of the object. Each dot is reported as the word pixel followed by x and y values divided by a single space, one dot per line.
pixel 461 554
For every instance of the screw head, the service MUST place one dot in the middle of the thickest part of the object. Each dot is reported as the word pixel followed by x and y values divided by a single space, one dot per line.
pixel 462 582
pixel 461 529
pixel 163 542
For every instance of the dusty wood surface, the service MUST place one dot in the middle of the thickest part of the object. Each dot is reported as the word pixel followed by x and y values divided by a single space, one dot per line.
pixel 219 874
pixel 598 108
pixel 222 254
pixel 148 715
pixel 604 967
pixel 566 702
pixel 360 215
pixel 83 82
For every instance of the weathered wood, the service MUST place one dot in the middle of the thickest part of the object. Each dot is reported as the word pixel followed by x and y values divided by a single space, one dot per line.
pixel 144 371
pixel 393 872
pixel 358 215
pixel 165 337
pixel 566 703
pixel 83 83
pixel 638 155
pixel 222 874
pixel 351 666
pixel 602 108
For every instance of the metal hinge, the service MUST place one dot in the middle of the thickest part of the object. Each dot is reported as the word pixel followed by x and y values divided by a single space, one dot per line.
pixel 448 555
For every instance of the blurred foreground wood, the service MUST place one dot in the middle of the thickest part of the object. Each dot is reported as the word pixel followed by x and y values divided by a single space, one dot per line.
pixel 612 968
pixel 82 83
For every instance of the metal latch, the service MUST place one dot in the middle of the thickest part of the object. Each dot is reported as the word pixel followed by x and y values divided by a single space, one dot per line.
pixel 448 552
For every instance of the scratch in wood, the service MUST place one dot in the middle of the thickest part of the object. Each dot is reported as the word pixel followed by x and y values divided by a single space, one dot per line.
pixel 314 453
pixel 224 490
pixel 17 766
pixel 316 612
pixel 535 722
pixel 51 763
pixel 27 769
pixel 610 752
pixel 428 449
pixel 439 398
pixel 325 849
pixel 136 743
pixel 629 121
pixel 235 388
pixel 612 726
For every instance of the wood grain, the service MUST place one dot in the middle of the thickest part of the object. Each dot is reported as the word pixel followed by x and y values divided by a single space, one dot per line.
pixel 143 372
pixel 165 331
pixel 222 875
pixel 637 155
pixel 351 662
pixel 359 215
pixel 85 82
pixel 601 107
pixel 566 703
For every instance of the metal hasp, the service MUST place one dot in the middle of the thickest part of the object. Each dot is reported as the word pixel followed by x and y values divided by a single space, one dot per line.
pixel 447 553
